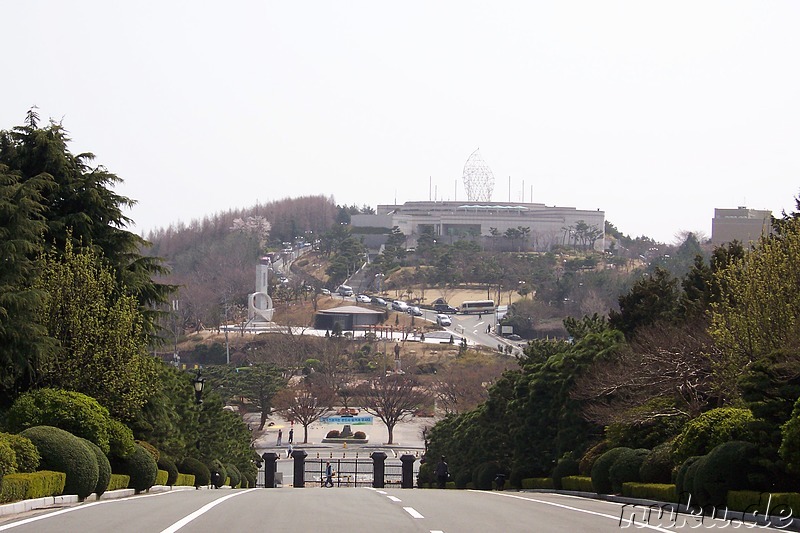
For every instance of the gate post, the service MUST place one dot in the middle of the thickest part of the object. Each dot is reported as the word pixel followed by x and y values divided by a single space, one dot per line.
pixel 378 469
pixel 407 480
pixel 270 466
pixel 299 457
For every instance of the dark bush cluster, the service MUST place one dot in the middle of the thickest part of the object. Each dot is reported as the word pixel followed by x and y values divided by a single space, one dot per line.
pixel 190 465
pixel 566 466
pixel 626 468
pixel 601 477
pixel 167 464
pixel 140 466
pixel 103 466
pixel 62 451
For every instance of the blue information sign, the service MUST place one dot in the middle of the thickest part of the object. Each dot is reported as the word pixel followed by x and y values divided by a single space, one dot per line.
pixel 352 420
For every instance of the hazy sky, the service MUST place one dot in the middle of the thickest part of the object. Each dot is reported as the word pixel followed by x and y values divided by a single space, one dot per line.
pixel 655 112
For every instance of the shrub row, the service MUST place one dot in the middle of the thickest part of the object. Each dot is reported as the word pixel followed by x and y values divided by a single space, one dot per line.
pixel 28 485
pixel 119 481
pixel 537 483
pixel 184 480
pixel 577 483
pixel 749 501
pixel 661 492
pixel 161 477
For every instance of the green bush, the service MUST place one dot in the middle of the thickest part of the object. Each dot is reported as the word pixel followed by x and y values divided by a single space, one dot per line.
pixel 251 479
pixel 483 477
pixel 566 466
pixel 71 411
pixel 748 501
pixel 36 485
pixel 689 494
pixel 165 463
pixel 25 452
pixel 587 461
pixel 62 451
pixel 790 444
pixel 520 472
pixel 537 483
pixel 681 485
pixel 711 429
pixel 233 474
pixel 140 466
pixel 161 477
pixel 152 450
pixel 103 467
pixel 216 465
pixel 729 466
pixel 578 483
pixel 190 465
pixel 185 480
pixel 463 478
pixel 119 481
pixel 626 468
pixel 601 479
pixel 660 492
pixel 120 439
pixel 426 475
pixel 657 466
pixel 8 459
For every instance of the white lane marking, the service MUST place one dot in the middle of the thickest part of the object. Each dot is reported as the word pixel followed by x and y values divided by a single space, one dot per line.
pixel 76 508
pixel 562 506
pixel 394 498
pixel 204 509
pixel 413 512
pixel 436 531
pixel 381 491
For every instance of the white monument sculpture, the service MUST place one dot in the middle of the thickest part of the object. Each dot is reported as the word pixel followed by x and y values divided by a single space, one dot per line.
pixel 259 304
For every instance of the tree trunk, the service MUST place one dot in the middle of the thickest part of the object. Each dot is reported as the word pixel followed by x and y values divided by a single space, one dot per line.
pixel 391 433
pixel 305 434
pixel 264 417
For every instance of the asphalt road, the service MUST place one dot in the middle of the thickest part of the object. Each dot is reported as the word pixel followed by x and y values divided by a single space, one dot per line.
pixel 347 510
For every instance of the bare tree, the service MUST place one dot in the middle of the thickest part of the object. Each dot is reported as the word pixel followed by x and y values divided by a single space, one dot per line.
pixel 667 371
pixel 392 398
pixel 463 384
pixel 306 402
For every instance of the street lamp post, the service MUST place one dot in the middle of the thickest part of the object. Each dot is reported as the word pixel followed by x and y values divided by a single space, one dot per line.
pixel 198 383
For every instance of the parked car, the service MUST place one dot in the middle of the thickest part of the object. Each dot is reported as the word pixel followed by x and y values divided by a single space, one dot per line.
pixel 378 301
pixel 443 320
pixel 444 308
pixel 363 299
pixel 399 305
pixel 513 337
pixel 326 292
pixel 414 310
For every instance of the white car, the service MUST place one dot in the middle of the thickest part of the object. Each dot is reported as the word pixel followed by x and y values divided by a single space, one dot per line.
pixel 363 299
pixel 326 292
pixel 400 305
pixel 414 310
pixel 443 320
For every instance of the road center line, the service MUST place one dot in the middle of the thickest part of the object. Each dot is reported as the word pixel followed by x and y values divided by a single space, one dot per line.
pixel 394 498
pixel 562 506
pixel 413 512
pixel 204 509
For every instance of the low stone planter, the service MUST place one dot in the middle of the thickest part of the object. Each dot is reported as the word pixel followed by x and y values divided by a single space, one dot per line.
pixel 347 440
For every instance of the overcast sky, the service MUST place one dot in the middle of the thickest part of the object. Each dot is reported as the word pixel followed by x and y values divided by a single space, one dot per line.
pixel 654 112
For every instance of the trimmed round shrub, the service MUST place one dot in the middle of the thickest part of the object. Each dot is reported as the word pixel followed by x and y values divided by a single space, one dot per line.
pixel 681 485
pixel 25 452
pixel 234 474
pixel 601 479
pixel 250 478
pixel 657 466
pixel 711 429
pixel 566 466
pixel 359 435
pixel 152 450
pixel 462 477
pixel 71 411
pixel 729 466
pixel 332 434
pixel 425 474
pixel 483 477
pixel 216 465
pixel 165 463
pixel 587 461
pixel 120 439
pixel 140 466
pixel 62 451
pixel 626 468
pixel 190 465
pixel 103 467
pixel 518 473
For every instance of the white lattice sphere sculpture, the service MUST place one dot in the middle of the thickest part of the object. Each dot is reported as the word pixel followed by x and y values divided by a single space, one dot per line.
pixel 478 179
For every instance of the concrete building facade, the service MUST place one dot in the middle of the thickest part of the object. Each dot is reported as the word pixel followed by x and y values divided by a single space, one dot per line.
pixel 548 225
pixel 740 224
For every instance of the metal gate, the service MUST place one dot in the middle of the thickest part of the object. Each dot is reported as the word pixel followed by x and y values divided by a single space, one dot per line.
pixel 351 472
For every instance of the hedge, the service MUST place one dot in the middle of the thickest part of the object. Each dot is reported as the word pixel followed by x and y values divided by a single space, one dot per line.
pixel 577 483
pixel 601 478
pixel 71 411
pixel 161 477
pixel 537 483
pixel 184 480
pixel 64 452
pixel 119 481
pixel 165 463
pixel 103 467
pixel 29 485
pixel 660 492
pixel 750 500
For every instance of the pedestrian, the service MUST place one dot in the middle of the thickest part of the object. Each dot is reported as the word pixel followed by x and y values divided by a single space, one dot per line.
pixel 480 316
pixel 289 450
pixel 488 329
pixel 442 473
pixel 280 436
pixel 328 474
pixel 291 435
